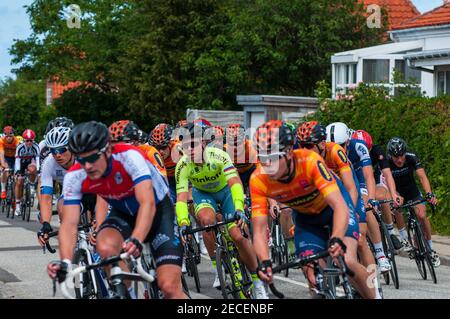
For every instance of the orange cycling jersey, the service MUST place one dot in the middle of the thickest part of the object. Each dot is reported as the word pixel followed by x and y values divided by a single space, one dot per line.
pixel 170 163
pixel 244 161
pixel 154 157
pixel 336 159
pixel 306 191
pixel 8 148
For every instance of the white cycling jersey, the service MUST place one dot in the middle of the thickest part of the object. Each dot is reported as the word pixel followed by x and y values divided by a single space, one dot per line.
pixel 51 171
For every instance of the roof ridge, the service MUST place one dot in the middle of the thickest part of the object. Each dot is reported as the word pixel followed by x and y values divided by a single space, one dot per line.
pixel 423 17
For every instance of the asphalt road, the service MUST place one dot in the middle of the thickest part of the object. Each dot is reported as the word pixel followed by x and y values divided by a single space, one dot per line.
pixel 22 271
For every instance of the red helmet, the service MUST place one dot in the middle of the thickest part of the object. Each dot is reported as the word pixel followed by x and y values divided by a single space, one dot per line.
pixel 202 122
pixel 181 123
pixel 28 134
pixel 364 136
pixel 8 130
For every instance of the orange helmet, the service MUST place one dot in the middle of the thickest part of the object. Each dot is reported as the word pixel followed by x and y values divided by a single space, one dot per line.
pixel 235 133
pixel 311 133
pixel 161 135
pixel 116 130
pixel 273 135
pixel 8 130
pixel 218 132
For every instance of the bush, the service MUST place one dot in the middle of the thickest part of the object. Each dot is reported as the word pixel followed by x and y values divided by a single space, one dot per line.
pixel 423 122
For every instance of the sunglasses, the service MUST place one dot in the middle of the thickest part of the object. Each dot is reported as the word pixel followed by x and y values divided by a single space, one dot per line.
pixel 307 146
pixel 9 135
pixel 60 150
pixel 192 144
pixel 89 159
pixel 270 157
pixel 28 141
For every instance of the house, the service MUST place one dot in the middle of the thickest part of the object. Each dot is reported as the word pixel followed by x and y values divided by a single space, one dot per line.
pixel 420 50
pixel 55 89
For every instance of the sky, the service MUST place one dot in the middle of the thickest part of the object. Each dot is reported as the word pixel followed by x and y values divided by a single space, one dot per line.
pixel 14 24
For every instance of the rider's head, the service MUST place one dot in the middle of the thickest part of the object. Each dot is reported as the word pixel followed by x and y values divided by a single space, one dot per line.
pixel 28 137
pixel 274 141
pixel 235 135
pixel 90 142
pixel 9 132
pixel 312 135
pixel 57 140
pixel 338 133
pixel 396 151
pixel 363 136
pixel 160 138
pixel 194 140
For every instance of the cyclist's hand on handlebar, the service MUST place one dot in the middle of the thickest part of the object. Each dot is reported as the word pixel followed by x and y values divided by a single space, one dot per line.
pixel 242 219
pixel 132 246
pixel 265 271
pixel 183 229
pixel 58 269
pixel 372 203
pixel 336 247
pixel 398 200
pixel 431 198
pixel 93 237
pixel 274 208
pixel 42 234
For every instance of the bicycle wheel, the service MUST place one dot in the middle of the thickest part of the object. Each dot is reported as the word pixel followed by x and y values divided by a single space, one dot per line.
pixel 185 286
pixel 192 252
pixel 426 254
pixel 225 273
pixel 417 249
pixel 87 286
pixel 389 250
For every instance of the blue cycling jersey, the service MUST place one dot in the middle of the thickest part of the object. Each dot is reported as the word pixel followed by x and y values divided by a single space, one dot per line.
pixel 358 154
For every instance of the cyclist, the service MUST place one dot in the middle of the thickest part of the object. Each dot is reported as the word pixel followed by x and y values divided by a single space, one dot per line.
pixel 385 185
pixel 54 169
pixel 169 149
pixel 214 181
pixel 57 122
pixel 301 180
pixel 8 145
pixel 128 132
pixel 358 154
pixel 27 159
pixel 403 164
pixel 141 209
pixel 217 137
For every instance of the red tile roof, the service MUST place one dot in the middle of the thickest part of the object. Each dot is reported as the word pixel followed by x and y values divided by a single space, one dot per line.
pixel 399 11
pixel 438 16
pixel 58 88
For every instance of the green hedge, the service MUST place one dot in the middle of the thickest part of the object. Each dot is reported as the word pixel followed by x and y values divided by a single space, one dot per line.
pixel 423 122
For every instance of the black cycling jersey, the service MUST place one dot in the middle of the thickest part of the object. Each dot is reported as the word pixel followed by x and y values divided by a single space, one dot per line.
pixel 379 160
pixel 404 176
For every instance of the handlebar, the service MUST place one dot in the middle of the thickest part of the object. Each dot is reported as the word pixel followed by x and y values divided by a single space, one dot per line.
pixel 56 232
pixel 210 227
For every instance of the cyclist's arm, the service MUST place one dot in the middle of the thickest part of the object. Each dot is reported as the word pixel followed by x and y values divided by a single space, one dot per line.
pixel 370 180
pixel 340 213
pixel 387 173
pixel 17 164
pixel 260 226
pixel 3 162
pixel 45 200
pixel 67 236
pixel 182 182
pixel 350 186
pixel 424 180
pixel 101 210
pixel 237 192
pixel 147 209
pixel 260 215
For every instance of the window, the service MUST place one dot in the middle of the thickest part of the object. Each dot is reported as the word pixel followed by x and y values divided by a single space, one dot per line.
pixel 375 71
pixel 345 77
pixel 408 74
pixel 49 96
pixel 443 83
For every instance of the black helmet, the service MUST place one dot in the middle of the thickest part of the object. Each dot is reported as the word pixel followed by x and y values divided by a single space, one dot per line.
pixel 161 135
pixel 50 125
pixel 131 132
pixel 88 136
pixel 194 130
pixel 396 146
pixel 63 122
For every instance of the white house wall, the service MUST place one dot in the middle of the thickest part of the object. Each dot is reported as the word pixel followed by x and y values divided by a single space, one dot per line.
pixel 428 84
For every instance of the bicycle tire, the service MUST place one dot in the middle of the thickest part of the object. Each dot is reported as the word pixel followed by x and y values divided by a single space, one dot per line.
pixel 426 253
pixel 224 271
pixel 417 250
pixel 389 248
pixel 193 253
pixel 81 259
pixel 185 287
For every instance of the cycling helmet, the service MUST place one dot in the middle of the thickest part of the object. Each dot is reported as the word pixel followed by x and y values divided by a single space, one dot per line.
pixel 396 146
pixel 311 133
pixel 364 136
pixel 28 134
pixel 50 125
pixel 202 122
pixel 337 132
pixel 235 134
pixel 117 129
pixel 273 135
pixel 181 123
pixel 131 132
pixel 194 130
pixel 88 136
pixel 216 133
pixel 57 137
pixel 142 137
pixel 161 135
pixel 63 122
pixel 8 130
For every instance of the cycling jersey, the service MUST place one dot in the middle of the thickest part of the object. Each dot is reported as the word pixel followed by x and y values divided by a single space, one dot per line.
pixel 127 167
pixel 404 176
pixel 244 161
pixel 154 157
pixel 306 191
pixel 9 149
pixel 44 151
pixel 210 176
pixel 358 153
pixel 170 163
pixel 51 171
pixel 379 161
pixel 26 155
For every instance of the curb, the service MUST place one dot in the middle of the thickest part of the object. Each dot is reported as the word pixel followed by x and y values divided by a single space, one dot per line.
pixel 445 260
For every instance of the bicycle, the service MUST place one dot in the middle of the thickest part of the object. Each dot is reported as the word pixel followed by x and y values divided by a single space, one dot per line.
pixel 420 252
pixel 25 208
pixel 117 277
pixel 10 199
pixel 388 246
pixel 192 258
pixel 235 281
pixel 279 247
pixel 324 277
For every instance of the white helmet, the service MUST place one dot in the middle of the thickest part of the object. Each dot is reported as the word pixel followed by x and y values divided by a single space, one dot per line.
pixel 337 132
pixel 57 137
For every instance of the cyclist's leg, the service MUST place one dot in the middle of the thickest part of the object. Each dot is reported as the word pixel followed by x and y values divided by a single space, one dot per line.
pixel 365 254
pixel 32 170
pixel 167 250
pixel 19 184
